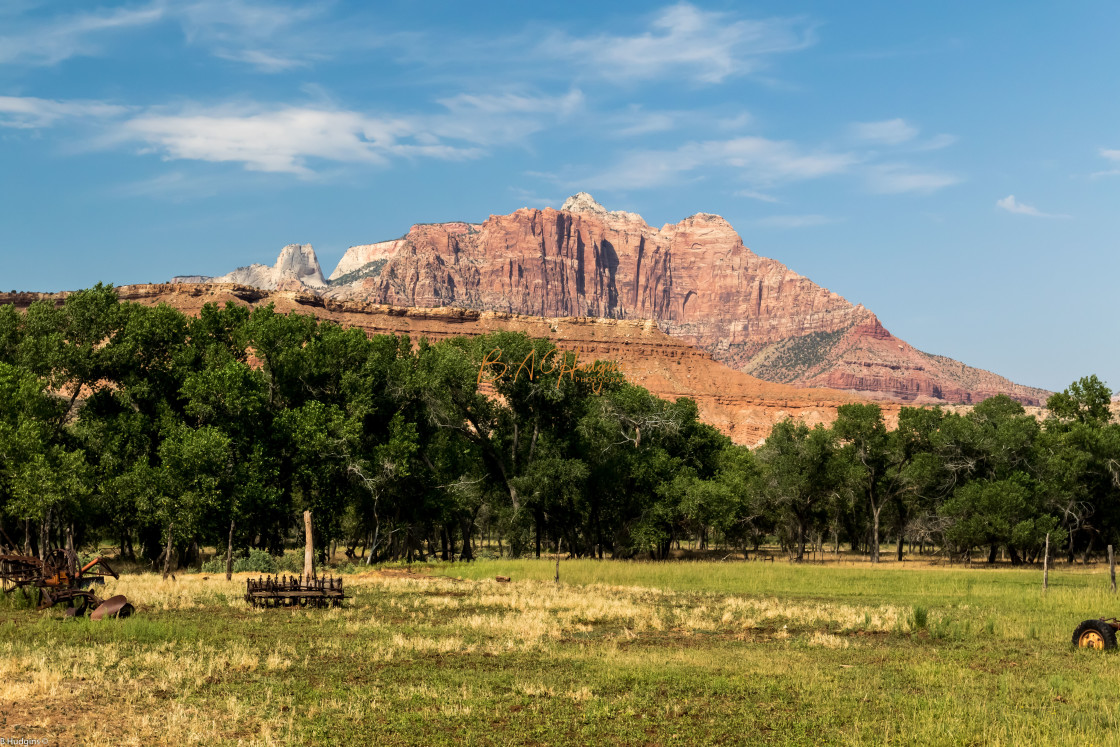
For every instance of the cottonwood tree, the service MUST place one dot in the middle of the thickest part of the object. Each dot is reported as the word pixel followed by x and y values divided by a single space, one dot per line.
pixel 801 473
pixel 874 461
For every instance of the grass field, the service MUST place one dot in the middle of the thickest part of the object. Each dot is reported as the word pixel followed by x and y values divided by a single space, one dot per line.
pixel 618 653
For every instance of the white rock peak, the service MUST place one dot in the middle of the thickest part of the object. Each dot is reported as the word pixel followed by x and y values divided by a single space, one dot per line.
pixel 581 202
pixel 296 261
pixel 299 260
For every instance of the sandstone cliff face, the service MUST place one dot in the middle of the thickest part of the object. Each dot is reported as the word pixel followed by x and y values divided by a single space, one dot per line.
pixel 695 278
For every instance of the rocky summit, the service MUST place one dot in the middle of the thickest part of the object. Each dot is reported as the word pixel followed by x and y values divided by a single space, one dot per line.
pixel 296 268
pixel 696 279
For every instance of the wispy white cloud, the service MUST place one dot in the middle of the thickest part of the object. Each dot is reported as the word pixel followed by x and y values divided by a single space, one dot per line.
pixel 286 139
pixel 500 118
pixel 896 178
pixel 265 62
pixel 896 132
pixel 1113 156
pixel 50 41
pixel 33 113
pixel 296 139
pixel 754 195
pixel 756 160
pixel 635 121
pixel 707 46
pixel 888 132
pixel 269 37
pixel 1011 205
pixel 794 221
pixel 937 142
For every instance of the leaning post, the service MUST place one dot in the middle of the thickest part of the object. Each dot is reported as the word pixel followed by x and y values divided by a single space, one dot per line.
pixel 308 548
pixel 1112 569
pixel 229 553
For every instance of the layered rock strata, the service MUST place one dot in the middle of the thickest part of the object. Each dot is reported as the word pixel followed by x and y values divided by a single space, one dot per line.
pixel 695 278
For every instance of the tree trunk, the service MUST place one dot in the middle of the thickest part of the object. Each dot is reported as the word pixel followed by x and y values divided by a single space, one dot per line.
pixel 800 542
pixel 71 553
pixel 538 519
pixel 167 550
pixel 229 553
pixel 875 533
pixel 898 554
pixel 465 526
pixel 308 548
pixel 45 536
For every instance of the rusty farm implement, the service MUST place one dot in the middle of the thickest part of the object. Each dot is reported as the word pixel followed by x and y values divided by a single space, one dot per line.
pixel 294 591
pixel 60 580
pixel 1098 633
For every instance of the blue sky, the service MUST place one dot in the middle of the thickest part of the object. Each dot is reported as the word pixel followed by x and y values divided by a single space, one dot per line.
pixel 953 166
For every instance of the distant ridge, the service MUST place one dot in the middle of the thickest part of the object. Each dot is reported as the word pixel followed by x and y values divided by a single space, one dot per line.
pixel 695 278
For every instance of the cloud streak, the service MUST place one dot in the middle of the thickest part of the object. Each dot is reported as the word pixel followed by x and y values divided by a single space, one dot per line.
pixel 756 160
pixel 34 113
pixel 57 39
pixel 1112 156
pixel 297 139
pixel 683 40
pixel 1011 205
pixel 267 37
pixel 889 132
pixel 898 178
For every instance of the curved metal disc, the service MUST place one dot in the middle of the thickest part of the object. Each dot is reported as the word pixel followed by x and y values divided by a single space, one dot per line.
pixel 116 606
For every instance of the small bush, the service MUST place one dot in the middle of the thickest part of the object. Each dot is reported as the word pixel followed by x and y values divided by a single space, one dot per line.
pixel 214 565
pixel 257 561
pixel 290 562
pixel 919 618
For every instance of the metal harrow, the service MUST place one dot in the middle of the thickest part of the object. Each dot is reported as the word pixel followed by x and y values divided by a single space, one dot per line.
pixel 294 591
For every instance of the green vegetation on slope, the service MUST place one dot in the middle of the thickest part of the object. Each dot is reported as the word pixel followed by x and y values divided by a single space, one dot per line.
pixel 792 358
pixel 370 270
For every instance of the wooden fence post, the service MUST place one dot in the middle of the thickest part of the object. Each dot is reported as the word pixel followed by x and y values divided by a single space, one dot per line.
pixel 559 544
pixel 1112 569
pixel 308 548
pixel 1046 563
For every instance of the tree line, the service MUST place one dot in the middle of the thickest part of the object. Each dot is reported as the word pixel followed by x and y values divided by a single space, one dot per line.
pixel 151 430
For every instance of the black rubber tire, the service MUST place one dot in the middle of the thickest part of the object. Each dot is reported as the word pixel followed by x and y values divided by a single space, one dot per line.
pixel 1106 632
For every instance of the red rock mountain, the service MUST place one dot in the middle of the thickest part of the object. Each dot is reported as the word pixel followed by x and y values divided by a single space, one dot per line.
pixel 696 279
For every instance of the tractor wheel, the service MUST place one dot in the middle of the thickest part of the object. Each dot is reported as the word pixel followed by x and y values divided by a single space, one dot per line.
pixel 1094 634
